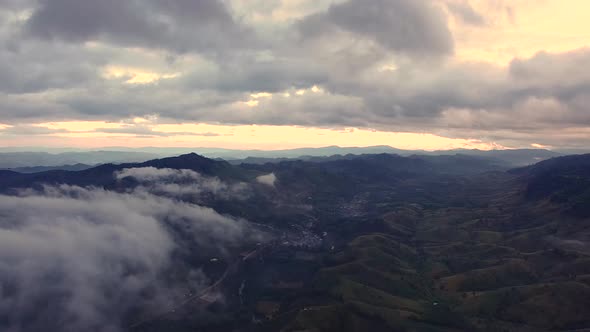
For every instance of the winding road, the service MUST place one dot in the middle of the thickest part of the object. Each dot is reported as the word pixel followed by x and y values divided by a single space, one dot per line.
pixel 202 295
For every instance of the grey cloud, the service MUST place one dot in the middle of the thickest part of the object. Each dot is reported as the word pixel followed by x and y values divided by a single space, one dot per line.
pixel 16 108
pixel 309 109
pixel 25 80
pixel 55 76
pixel 411 26
pixel 30 130
pixel 251 75
pixel 466 13
pixel 414 97
pixel 178 25
pixel 420 95
pixel 30 67
pixel 552 70
pixel 11 5
pixel 74 259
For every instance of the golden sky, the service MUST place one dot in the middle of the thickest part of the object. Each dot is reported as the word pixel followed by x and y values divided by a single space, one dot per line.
pixel 531 26
pixel 81 135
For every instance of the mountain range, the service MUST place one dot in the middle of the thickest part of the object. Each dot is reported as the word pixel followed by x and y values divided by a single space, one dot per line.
pixel 11 159
pixel 369 242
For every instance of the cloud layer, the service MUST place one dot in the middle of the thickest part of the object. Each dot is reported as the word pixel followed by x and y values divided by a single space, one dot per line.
pixel 181 182
pixel 74 259
pixel 389 65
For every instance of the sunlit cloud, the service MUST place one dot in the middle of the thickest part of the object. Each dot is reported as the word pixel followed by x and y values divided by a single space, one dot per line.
pixel 261 95
pixel 388 68
pixel 541 146
pixel 251 103
pixel 135 75
pixel 316 89
pixel 80 126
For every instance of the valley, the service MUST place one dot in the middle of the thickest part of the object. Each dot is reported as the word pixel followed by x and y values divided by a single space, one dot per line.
pixel 380 243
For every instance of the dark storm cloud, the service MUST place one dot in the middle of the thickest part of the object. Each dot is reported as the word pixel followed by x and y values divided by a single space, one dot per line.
pixel 412 26
pixel 172 101
pixel 74 259
pixel 177 25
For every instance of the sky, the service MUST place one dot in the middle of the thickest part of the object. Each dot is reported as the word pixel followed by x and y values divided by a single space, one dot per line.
pixel 243 74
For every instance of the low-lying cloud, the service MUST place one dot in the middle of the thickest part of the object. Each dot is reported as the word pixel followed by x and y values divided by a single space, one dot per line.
pixel 268 179
pixel 76 259
pixel 181 182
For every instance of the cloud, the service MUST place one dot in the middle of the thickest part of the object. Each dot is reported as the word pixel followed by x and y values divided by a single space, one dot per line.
pixel 247 74
pixel 74 259
pixel 178 25
pixel 73 60
pixel 28 130
pixel 137 130
pixel 268 179
pixel 28 67
pixel 11 5
pixel 181 182
pixel 152 174
pixel 413 26
pixel 145 130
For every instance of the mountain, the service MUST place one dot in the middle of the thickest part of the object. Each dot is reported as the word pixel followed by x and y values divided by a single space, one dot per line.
pixel 354 166
pixel 231 154
pixel 38 169
pixel 564 180
pixel 517 157
pixel 10 160
pixel 573 165
pixel 103 175
pixel 513 158
pixel 509 158
pixel 478 254
pixel 376 242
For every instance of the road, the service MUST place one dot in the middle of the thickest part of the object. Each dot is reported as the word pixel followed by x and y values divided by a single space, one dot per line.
pixel 234 266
